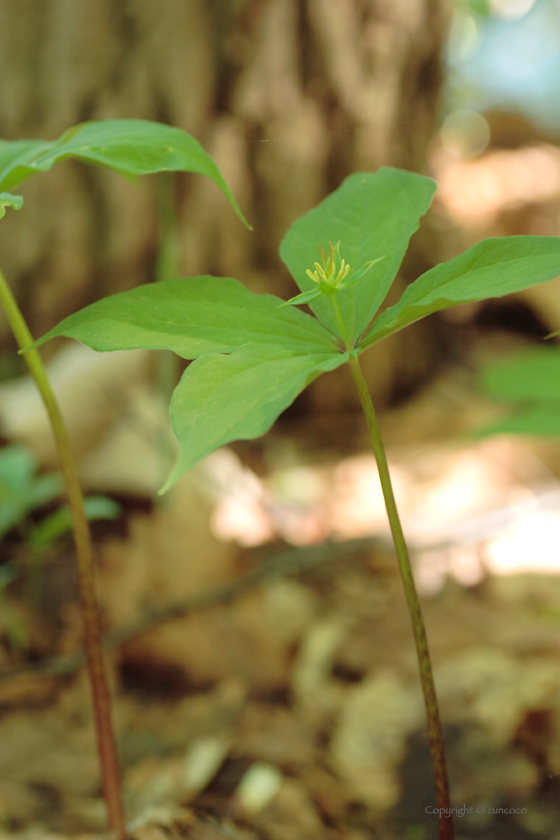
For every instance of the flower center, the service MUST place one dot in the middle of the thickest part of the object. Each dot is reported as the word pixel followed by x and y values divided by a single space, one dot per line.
pixel 329 273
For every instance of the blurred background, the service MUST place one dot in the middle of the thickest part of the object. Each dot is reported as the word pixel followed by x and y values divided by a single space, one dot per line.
pixel 290 97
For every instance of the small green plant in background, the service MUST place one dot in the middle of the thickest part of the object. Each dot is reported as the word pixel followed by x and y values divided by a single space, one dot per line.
pixel 132 147
pixel 528 386
pixel 253 354
pixel 22 492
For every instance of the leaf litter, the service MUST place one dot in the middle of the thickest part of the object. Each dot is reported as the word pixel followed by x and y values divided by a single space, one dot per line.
pixel 288 706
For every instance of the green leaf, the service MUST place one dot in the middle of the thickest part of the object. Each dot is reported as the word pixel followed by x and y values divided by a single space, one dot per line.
pixel 533 420
pixel 53 526
pixel 193 316
pixel 20 490
pixel 530 383
pixel 356 276
pixel 17 468
pixel 531 376
pixel 306 297
pixel 13 157
pixel 238 397
pixel 493 268
pixel 132 147
pixel 7 574
pixel 44 489
pixel 373 215
pixel 9 200
pixel 275 353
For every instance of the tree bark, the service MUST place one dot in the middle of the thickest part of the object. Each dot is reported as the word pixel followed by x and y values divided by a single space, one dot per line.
pixel 290 96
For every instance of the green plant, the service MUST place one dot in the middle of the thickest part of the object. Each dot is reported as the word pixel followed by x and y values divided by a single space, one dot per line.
pixel 254 355
pixel 528 384
pixel 22 491
pixel 132 147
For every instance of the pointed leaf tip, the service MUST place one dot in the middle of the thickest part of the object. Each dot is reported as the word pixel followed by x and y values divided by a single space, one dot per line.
pixel 132 147
pixel 492 268
pixel 371 212
pixel 222 398
pixel 9 200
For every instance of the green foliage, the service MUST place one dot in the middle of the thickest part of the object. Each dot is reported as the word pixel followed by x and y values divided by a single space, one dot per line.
pixel 371 215
pixel 56 524
pixel 492 268
pixel 192 317
pixel 255 355
pixel 228 397
pixel 22 491
pixel 132 147
pixel 331 278
pixel 274 353
pixel 528 384
pixel 479 7
pixel 9 200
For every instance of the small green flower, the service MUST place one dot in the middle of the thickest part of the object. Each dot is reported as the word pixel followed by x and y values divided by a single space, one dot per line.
pixel 326 275
pixel 329 276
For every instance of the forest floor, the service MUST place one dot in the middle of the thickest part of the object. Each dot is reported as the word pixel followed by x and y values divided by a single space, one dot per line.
pixel 261 655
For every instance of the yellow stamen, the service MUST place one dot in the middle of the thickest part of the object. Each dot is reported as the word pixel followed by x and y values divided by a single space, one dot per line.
pixel 327 273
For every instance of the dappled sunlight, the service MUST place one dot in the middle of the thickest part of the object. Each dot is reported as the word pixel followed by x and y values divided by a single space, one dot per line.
pixel 531 545
pixel 463 563
pixel 491 507
pixel 241 512
pixel 467 484
pixel 511 9
pixel 356 504
pixel 474 192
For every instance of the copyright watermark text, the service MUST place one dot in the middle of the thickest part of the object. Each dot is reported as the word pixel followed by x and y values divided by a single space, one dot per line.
pixel 466 809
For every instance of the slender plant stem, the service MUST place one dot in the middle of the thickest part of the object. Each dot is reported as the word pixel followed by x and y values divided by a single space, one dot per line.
pixel 435 733
pixel 167 267
pixel 92 636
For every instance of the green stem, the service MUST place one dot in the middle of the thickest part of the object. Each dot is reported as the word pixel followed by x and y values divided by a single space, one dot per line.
pixel 435 732
pixel 341 324
pixel 167 267
pixel 96 668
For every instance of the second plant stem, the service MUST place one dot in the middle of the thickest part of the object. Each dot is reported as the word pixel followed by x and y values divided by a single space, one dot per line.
pixel 92 637
pixel 435 732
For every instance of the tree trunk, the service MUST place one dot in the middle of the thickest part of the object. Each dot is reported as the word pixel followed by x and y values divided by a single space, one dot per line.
pixel 290 96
